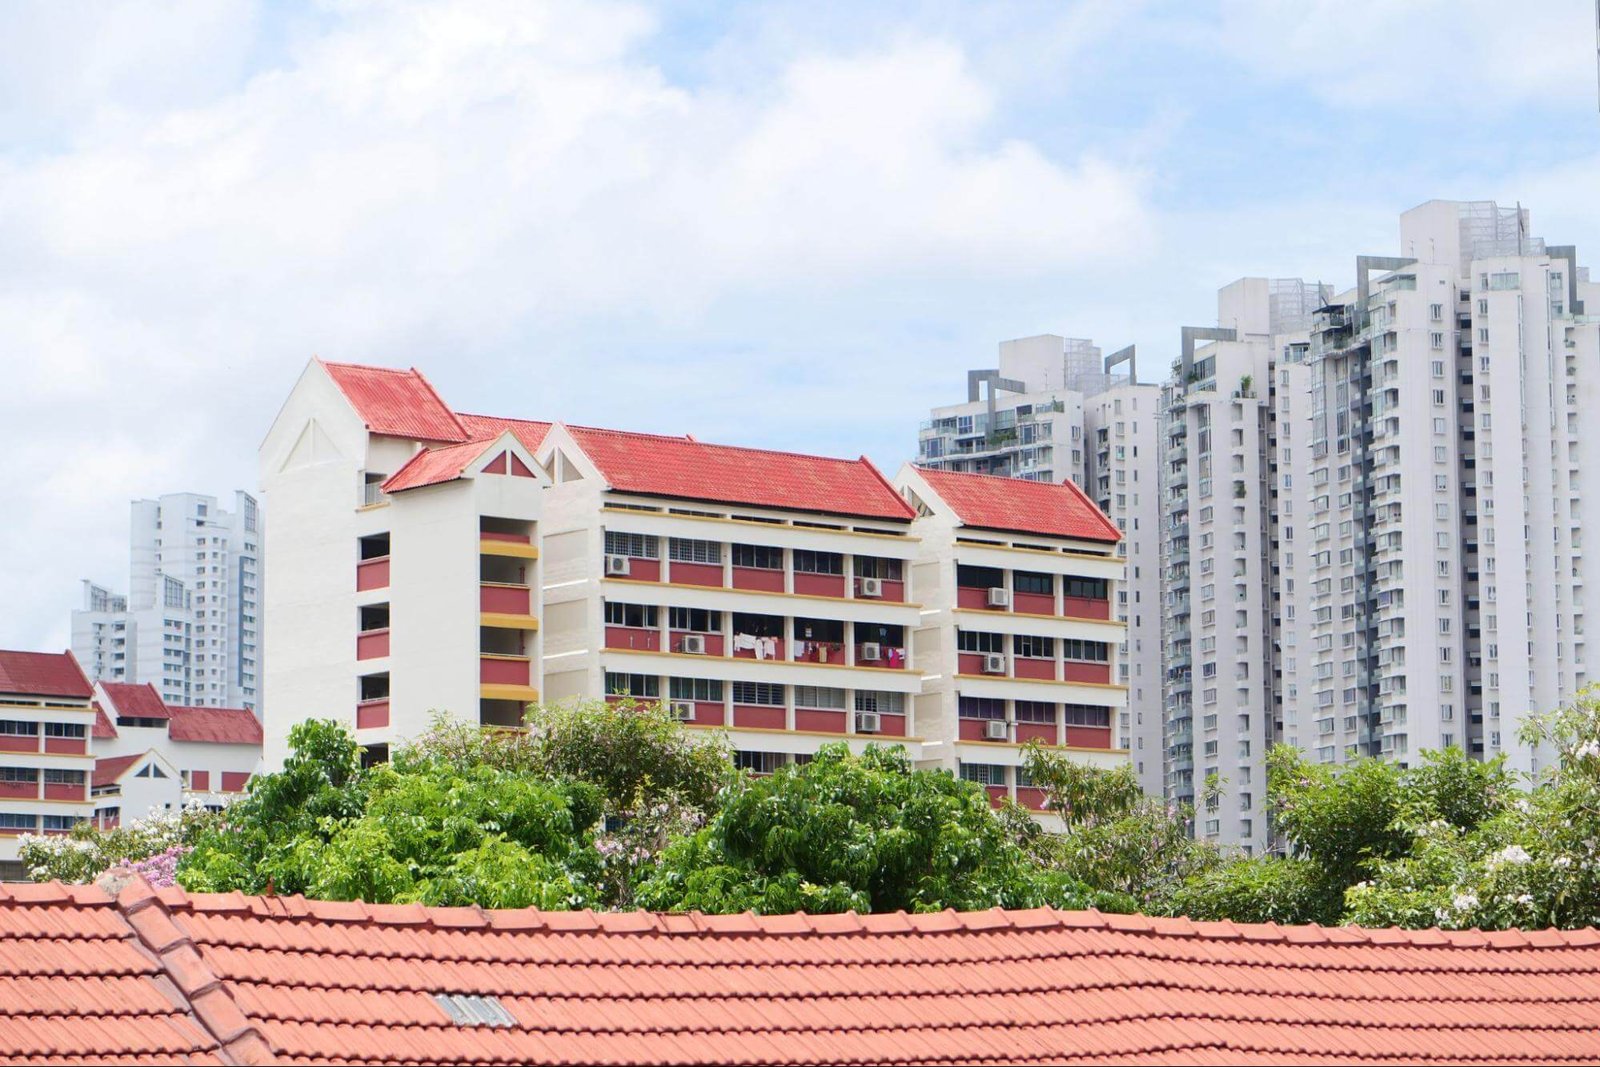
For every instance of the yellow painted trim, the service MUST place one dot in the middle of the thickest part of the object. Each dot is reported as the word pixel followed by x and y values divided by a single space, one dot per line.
pixel 51 755
pixel 765 592
pixel 802 733
pixel 504 621
pixel 373 507
pixel 1048 748
pixel 1065 553
pixel 746 659
pixel 6 706
pixel 501 655
pixel 1040 681
pixel 899 538
pixel 56 803
pixel 507 548
pixel 507 692
pixel 1046 618
pixel 506 585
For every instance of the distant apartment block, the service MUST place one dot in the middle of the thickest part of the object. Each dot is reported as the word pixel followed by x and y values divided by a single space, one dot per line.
pixel 190 622
pixel 429 560
pixel 46 762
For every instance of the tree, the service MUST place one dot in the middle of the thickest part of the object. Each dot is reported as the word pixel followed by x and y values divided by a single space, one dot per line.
pixel 152 846
pixel 1114 838
pixel 854 832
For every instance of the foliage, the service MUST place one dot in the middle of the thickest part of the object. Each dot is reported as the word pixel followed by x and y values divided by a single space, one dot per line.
pixel 1115 839
pixel 855 832
pixel 84 853
pixel 1259 889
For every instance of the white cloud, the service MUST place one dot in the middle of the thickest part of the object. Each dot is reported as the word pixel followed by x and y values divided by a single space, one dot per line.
pixel 473 186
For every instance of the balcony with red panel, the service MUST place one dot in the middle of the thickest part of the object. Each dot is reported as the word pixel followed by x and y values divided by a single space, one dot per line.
pixel 973 663
pixel 1089 737
pixel 685 641
pixel 764 632
pixel 1042 732
pixel 976 598
pixel 887 576
pixel 505 599
pixel 1032 797
pixel 372 714
pixel 1043 670
pixel 235 781
pixel 885 657
pixel 707 713
pixel 639 569
pixel 69 791
pixel 821 720
pixel 1033 603
pixel 997 794
pixel 509 538
pixel 1082 607
pixel 890 726
pixel 807 584
pixel 505 670
pixel 20 742
pixel 372 574
pixel 200 781
pixel 20 790
pixel 758 579
pixel 759 717
pixel 703 574
pixel 1095 673
pixel 634 638
pixel 372 644
pixel 67 746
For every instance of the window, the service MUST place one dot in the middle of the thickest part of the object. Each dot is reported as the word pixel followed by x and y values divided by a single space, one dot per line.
pixel 1091 588
pixel 10 820
pixel 640 615
pixel 1085 651
pixel 808 561
pixel 764 693
pixel 1031 582
pixel 1087 715
pixel 890 570
pixel 979 641
pixel 708 690
pixel 695 620
pixel 979 577
pixel 53 776
pixel 64 729
pixel 1030 647
pixel 1036 711
pixel 63 822
pixel 881 702
pixel 983 773
pixel 687 550
pixel 150 770
pixel 764 557
pixel 638 546
pixel 633 685
pixel 819 696
pixel 20 775
pixel 981 708
pixel 758 762
pixel 14 728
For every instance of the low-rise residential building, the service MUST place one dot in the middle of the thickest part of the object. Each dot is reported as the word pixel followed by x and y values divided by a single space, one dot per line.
pixel 46 761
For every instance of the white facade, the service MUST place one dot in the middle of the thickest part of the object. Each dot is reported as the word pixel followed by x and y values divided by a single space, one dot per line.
pixel 190 624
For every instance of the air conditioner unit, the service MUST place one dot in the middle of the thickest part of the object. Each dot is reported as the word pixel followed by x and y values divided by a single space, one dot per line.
pixel 995 730
pixel 871 652
pixel 999 598
pixel 994 663
pixel 695 643
pixel 616 565
pixel 682 710
pixel 868 722
pixel 871 587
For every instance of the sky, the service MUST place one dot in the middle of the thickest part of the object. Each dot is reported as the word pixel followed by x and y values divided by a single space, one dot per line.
pixel 781 224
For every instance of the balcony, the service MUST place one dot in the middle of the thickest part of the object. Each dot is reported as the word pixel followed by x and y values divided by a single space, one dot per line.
pixel 809 584
pixel 372 574
pixel 821 720
pixel 504 598
pixel 704 574
pixel 1034 603
pixel 372 644
pixel 1039 669
pixel 505 670
pixel 1082 607
pixel 890 657
pixel 372 714
pixel 759 717
pixel 977 598
pixel 758 579
pixel 633 638
pixel 715 644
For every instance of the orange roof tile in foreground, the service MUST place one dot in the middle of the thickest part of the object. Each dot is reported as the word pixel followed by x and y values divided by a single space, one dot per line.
pixel 399 403
pixel 42 674
pixel 1021 506
pixel 693 470
pixel 161 975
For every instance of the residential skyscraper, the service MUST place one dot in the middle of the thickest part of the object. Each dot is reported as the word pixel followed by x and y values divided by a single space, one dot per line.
pixel 190 623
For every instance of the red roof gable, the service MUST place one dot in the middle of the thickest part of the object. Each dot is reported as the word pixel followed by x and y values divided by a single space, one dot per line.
pixel 217 726
pixel 103 730
pixel 285 978
pixel 693 470
pixel 108 769
pixel 130 701
pixel 433 466
pixel 400 403
pixel 487 427
pixel 1021 506
pixel 43 674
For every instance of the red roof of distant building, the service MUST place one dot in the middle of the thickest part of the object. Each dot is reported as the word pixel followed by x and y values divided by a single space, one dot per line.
pixel 218 726
pixel 694 470
pixel 1021 506
pixel 158 974
pixel 129 701
pixel 103 730
pixel 399 403
pixel 487 427
pixel 43 674
pixel 108 769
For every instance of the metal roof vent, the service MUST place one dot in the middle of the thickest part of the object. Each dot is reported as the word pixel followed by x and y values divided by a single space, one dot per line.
pixel 467 1009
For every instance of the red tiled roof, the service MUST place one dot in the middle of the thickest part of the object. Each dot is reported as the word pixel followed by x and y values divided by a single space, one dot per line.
pixel 487 427
pixel 108 769
pixel 1021 506
pixel 400 403
pixel 219 726
pixel 103 730
pixel 42 674
pixel 693 470
pixel 130 701
pixel 310 981
pixel 432 466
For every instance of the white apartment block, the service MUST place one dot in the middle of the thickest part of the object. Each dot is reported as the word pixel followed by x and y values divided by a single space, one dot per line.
pixel 425 560
pixel 46 759
pixel 190 624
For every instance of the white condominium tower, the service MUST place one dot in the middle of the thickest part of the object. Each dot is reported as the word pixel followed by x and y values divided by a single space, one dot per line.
pixel 189 624
pixel 1373 510
pixel 1056 410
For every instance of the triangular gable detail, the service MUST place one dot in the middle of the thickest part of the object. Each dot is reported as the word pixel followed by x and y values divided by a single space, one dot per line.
pixel 519 469
pixel 497 465
pixel 313 446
